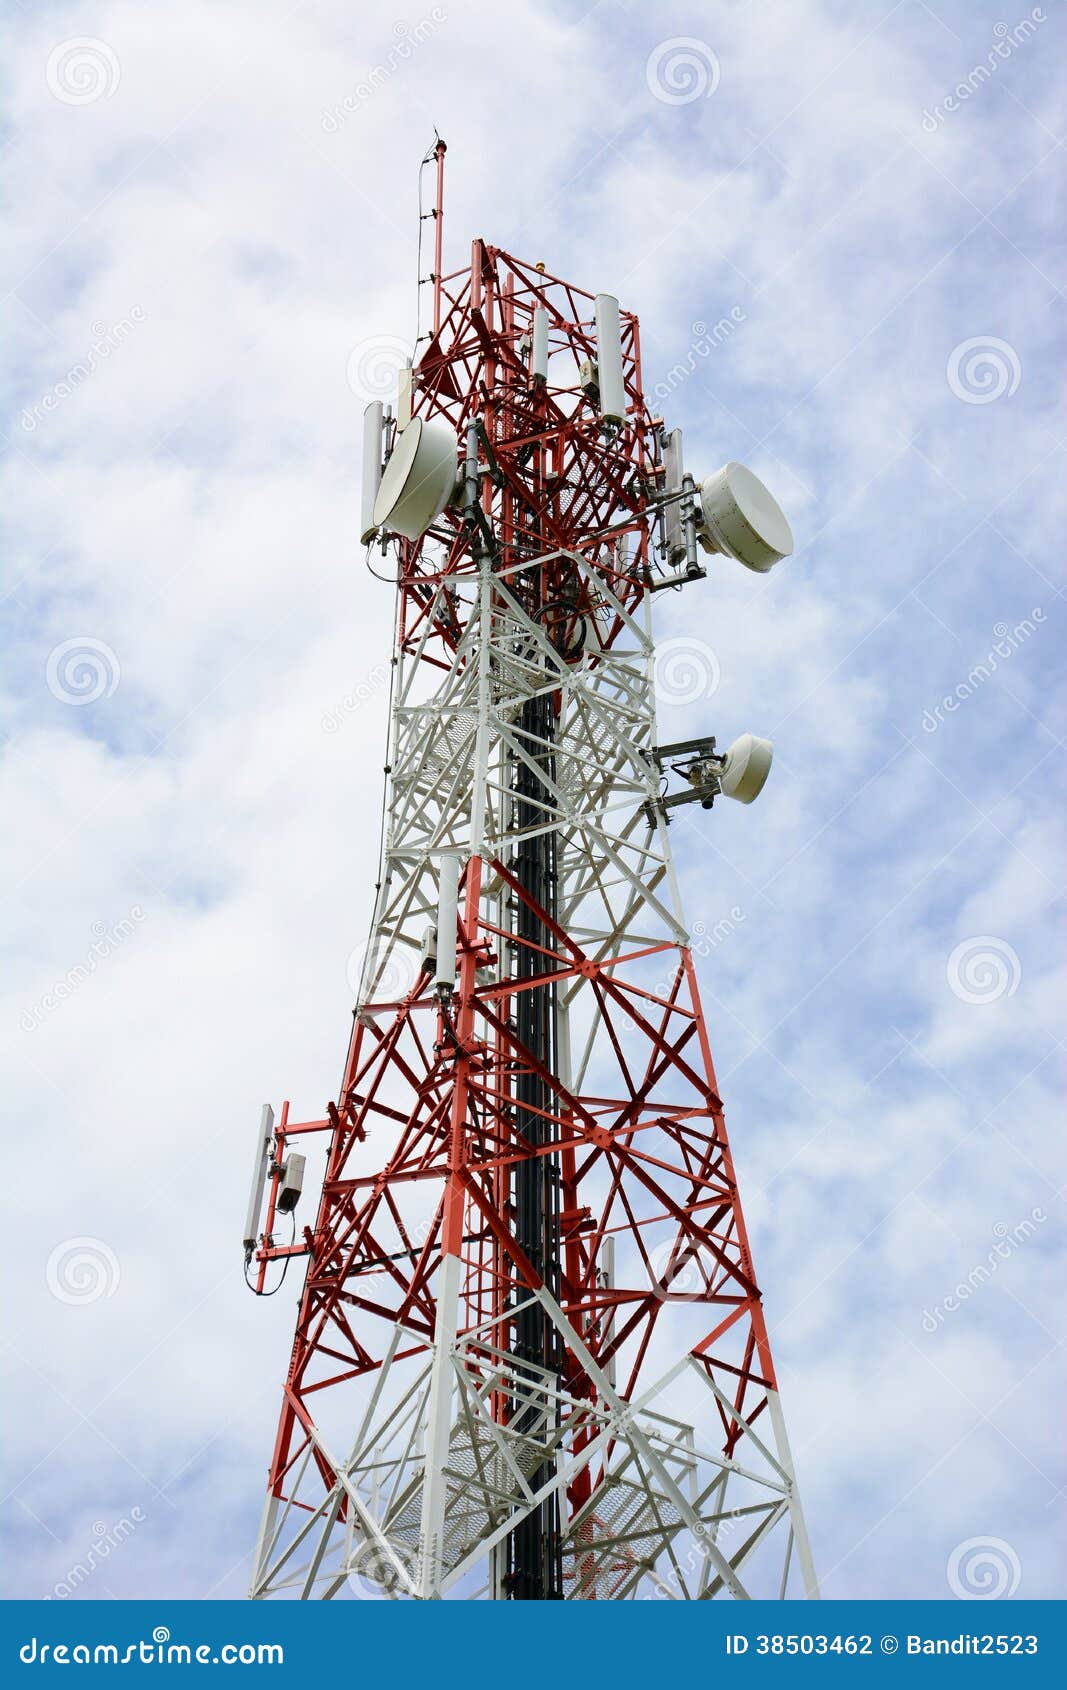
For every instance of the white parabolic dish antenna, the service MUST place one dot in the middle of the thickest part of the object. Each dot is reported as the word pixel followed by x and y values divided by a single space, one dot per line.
pixel 418 480
pixel 748 763
pixel 743 519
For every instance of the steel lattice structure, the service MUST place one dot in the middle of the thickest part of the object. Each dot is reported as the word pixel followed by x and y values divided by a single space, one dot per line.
pixel 530 1358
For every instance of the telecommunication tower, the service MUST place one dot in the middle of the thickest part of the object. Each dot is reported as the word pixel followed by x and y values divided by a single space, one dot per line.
pixel 530 1359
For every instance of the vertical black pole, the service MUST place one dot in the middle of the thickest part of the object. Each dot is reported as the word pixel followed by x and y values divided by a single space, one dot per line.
pixel 534 1557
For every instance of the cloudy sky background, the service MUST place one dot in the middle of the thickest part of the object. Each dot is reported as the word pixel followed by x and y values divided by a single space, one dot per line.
pixel 214 234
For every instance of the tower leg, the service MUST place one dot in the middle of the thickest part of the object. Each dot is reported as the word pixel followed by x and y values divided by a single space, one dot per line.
pixel 263 1541
pixel 796 1512
pixel 439 1428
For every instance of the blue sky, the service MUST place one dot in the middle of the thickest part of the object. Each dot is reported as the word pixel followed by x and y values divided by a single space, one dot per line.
pixel 193 851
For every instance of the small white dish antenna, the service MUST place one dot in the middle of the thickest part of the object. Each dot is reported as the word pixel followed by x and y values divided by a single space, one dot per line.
pixel 418 480
pixel 748 763
pixel 744 520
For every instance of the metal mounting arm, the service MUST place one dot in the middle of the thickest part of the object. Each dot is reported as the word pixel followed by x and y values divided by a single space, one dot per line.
pixel 699 767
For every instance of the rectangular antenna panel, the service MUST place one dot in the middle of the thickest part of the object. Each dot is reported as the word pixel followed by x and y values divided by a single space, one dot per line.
pixel 609 358
pixel 264 1144
pixel 672 464
pixel 372 470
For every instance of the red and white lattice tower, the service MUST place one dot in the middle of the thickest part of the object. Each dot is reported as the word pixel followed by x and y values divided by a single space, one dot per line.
pixel 530 1359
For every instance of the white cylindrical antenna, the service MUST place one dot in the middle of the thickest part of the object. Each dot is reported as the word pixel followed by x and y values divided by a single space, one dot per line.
pixel 372 469
pixel 447 911
pixel 264 1145
pixel 673 471
pixel 539 348
pixel 609 359
pixel 404 386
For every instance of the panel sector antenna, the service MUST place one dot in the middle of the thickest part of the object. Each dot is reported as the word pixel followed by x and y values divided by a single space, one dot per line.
pixel 530 1359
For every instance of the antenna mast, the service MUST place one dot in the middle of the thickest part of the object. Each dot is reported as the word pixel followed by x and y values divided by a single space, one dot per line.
pixel 438 232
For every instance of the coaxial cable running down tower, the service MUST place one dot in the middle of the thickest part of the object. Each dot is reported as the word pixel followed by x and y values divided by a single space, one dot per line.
pixel 530 1358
